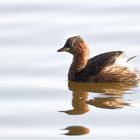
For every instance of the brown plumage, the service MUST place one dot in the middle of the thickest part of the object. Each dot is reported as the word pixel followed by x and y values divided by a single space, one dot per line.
pixel 106 67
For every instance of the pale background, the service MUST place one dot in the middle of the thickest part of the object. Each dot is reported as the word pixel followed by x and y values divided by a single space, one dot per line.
pixel 33 76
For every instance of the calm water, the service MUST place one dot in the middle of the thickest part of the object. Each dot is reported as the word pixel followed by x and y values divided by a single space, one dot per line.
pixel 36 100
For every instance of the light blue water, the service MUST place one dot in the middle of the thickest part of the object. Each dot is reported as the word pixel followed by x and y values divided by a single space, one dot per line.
pixel 36 100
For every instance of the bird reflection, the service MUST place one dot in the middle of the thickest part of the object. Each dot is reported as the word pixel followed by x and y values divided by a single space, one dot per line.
pixel 112 96
pixel 105 88
pixel 76 130
pixel 108 102
pixel 79 103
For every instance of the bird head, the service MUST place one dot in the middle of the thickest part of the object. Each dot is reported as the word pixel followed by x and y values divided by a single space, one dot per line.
pixel 74 45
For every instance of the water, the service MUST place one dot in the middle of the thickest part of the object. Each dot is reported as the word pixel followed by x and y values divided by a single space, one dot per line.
pixel 36 100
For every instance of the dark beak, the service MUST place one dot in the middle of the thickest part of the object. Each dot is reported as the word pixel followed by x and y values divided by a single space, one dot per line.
pixel 63 49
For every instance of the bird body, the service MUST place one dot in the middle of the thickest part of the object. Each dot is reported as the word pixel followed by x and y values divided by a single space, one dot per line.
pixel 106 67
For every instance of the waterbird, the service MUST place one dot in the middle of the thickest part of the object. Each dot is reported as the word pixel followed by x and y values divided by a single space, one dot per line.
pixel 111 66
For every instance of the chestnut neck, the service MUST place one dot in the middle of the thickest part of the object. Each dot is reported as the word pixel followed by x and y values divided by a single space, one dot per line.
pixel 79 63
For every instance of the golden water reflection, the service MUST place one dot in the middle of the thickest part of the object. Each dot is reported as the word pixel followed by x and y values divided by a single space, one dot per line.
pixel 76 130
pixel 105 88
pixel 108 103
pixel 78 103
pixel 112 96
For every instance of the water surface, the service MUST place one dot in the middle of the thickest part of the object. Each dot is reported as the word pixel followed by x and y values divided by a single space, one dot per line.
pixel 36 99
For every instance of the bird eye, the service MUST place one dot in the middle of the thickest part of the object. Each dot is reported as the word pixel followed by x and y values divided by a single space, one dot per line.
pixel 67 49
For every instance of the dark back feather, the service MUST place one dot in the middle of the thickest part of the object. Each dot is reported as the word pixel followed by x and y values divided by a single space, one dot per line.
pixel 96 64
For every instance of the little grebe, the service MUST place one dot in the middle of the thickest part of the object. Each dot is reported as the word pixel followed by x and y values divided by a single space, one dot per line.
pixel 107 67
